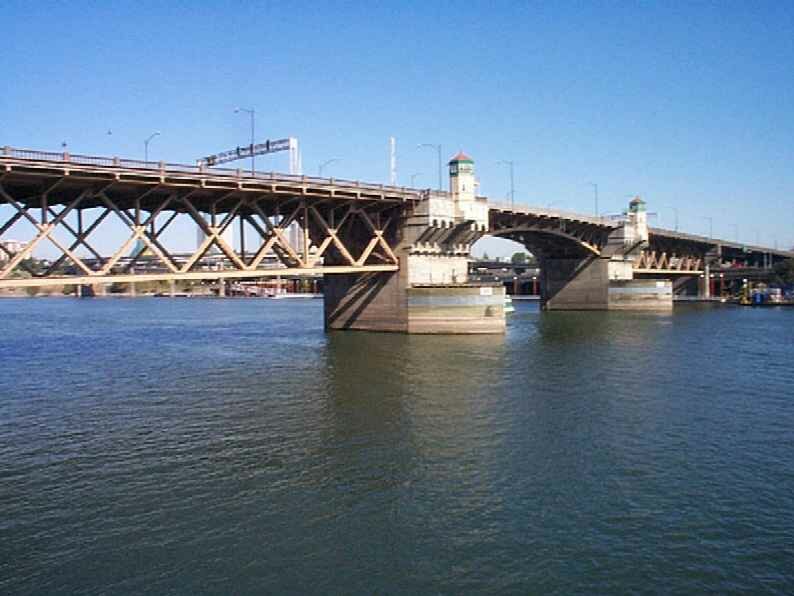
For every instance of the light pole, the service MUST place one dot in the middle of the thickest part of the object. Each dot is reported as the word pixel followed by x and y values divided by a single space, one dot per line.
pixel 414 177
pixel 510 164
pixel 711 224
pixel 327 162
pixel 437 148
pixel 251 113
pixel 595 197
pixel 146 145
pixel 675 213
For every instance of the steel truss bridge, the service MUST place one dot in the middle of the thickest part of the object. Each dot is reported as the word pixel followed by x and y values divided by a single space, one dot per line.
pixel 288 224
pixel 344 226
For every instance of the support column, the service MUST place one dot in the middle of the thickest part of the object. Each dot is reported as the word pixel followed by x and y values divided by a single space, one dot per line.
pixel 706 282
pixel 388 302
pixel 132 290
pixel 171 288
pixel 221 288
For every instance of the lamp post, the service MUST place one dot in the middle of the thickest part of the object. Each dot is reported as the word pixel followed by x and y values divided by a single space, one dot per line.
pixel 711 224
pixel 437 148
pixel 251 113
pixel 146 145
pixel 675 214
pixel 327 162
pixel 414 177
pixel 510 164
pixel 595 197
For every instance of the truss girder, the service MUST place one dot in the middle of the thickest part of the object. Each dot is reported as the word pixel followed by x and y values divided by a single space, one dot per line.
pixel 291 234
pixel 656 261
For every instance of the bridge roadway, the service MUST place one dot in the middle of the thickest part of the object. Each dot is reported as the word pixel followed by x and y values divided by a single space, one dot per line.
pixel 313 225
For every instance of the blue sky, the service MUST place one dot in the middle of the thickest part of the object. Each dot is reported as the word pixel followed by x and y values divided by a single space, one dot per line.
pixel 690 105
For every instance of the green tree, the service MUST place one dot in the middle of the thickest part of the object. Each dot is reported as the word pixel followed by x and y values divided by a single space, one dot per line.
pixel 519 258
pixel 784 272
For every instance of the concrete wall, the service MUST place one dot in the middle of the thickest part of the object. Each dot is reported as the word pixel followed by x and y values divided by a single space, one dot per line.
pixel 437 269
pixel 641 294
pixel 456 309
pixel 573 284
pixel 369 302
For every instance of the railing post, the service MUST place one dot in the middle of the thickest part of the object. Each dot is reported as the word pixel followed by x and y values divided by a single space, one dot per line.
pixel 6 150
pixel 115 161
pixel 65 156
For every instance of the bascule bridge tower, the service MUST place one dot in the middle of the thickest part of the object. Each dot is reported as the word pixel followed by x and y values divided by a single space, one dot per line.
pixel 430 293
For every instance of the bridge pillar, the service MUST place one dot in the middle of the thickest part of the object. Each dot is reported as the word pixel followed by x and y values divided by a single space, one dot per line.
pixel 430 293
pixel 606 281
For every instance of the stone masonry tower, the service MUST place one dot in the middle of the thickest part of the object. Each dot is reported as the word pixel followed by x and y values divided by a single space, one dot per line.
pixel 463 187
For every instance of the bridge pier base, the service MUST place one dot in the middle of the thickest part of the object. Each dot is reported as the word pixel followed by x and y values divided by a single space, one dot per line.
pixel 600 284
pixel 386 302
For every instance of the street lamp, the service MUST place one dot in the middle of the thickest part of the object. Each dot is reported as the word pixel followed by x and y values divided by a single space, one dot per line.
pixel 675 213
pixel 595 197
pixel 327 162
pixel 251 113
pixel 711 224
pixel 146 145
pixel 512 180
pixel 414 177
pixel 437 148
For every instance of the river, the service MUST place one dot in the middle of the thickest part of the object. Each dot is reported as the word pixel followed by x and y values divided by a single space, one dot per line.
pixel 210 446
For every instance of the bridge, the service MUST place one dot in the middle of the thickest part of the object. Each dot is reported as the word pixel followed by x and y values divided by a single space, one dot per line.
pixel 395 258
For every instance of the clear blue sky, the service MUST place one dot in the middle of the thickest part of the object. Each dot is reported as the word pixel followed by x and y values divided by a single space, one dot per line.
pixel 690 105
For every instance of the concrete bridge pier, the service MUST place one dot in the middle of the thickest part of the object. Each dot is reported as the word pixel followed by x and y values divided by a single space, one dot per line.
pixel 430 293
pixel 606 281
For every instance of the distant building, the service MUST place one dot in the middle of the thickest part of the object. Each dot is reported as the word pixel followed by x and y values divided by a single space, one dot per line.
pixel 12 246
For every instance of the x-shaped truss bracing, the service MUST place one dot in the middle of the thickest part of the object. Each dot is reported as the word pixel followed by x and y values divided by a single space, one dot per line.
pixel 298 237
pixel 653 261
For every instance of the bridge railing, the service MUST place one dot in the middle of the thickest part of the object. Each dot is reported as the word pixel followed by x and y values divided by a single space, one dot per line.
pixel 609 221
pixel 66 158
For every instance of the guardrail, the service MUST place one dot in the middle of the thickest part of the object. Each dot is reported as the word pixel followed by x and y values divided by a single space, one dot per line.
pixel 610 221
pixel 67 158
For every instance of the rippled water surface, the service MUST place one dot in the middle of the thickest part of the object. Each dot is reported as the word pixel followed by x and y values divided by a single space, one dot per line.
pixel 232 447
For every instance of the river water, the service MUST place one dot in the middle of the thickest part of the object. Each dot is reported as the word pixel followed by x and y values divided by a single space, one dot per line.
pixel 203 446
